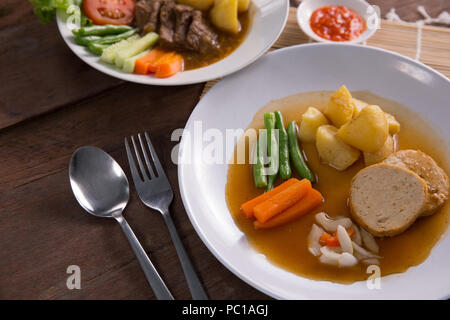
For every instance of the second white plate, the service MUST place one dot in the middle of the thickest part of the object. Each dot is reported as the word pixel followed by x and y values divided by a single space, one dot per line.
pixel 232 103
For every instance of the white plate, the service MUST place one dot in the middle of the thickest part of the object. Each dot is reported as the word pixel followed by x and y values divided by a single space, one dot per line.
pixel 364 9
pixel 232 103
pixel 268 18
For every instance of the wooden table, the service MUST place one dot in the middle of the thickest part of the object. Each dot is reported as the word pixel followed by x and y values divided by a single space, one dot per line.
pixel 50 104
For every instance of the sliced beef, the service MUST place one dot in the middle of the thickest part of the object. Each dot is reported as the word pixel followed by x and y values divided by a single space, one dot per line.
pixel 200 36
pixel 183 19
pixel 179 26
pixel 167 20
pixel 147 15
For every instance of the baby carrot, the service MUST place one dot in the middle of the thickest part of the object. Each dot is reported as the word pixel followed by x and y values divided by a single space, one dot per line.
pixel 305 205
pixel 247 207
pixel 281 201
pixel 169 67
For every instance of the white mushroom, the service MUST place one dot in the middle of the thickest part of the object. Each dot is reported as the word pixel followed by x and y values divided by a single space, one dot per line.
pixel 362 253
pixel 336 249
pixel 357 237
pixel 369 241
pixel 347 260
pixel 329 256
pixel 327 260
pixel 313 240
pixel 330 224
pixel 344 239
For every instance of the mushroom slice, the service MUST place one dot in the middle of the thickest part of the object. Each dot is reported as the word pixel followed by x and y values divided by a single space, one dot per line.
pixel 313 240
pixel 347 260
pixel 357 237
pixel 369 241
pixel 330 224
pixel 363 253
pixel 329 256
pixel 344 239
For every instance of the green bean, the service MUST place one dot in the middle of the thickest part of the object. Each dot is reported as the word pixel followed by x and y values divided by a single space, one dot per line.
pixel 283 146
pixel 84 41
pixel 96 48
pixel 115 38
pixel 296 155
pixel 259 175
pixel 103 30
pixel 272 149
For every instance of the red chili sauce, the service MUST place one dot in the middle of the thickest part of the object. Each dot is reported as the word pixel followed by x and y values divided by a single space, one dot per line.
pixel 337 23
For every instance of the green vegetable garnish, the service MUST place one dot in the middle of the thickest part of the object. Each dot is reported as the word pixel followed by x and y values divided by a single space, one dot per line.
pixel 46 10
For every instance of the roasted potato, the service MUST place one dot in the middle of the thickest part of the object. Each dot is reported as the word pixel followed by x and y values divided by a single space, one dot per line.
pixel 368 131
pixel 224 15
pixel 341 107
pixel 198 4
pixel 311 120
pixel 333 150
pixel 359 105
pixel 385 151
pixel 243 5
pixel 394 125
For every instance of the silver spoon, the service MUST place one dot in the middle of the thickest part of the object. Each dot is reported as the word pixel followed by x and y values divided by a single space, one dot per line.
pixel 101 188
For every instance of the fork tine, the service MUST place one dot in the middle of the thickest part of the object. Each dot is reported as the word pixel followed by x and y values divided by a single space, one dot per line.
pixel 149 165
pixel 138 157
pixel 159 168
pixel 134 171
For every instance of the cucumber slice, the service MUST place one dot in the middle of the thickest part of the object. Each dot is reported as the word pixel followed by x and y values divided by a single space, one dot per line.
pixel 128 66
pixel 135 48
pixel 109 54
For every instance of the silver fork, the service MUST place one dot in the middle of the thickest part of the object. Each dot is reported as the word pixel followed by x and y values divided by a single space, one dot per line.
pixel 156 193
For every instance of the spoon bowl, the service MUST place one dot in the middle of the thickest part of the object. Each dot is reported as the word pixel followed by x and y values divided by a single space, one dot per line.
pixel 98 182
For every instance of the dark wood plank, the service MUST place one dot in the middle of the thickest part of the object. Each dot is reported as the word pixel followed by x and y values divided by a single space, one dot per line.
pixel 43 230
pixel 39 73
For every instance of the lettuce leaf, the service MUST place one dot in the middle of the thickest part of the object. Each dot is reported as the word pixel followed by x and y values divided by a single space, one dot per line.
pixel 46 9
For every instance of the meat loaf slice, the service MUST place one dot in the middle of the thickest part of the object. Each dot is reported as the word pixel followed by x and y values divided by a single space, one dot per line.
pixel 200 36
pixel 183 18
pixel 386 199
pixel 426 168
pixel 167 22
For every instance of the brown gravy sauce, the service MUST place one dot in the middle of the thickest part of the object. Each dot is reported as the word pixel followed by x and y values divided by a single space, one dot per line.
pixel 286 246
pixel 228 43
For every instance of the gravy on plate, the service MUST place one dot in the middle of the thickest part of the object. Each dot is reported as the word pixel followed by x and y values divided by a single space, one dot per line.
pixel 286 246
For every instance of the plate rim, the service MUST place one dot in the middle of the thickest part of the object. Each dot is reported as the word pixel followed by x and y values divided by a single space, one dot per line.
pixel 110 71
pixel 181 167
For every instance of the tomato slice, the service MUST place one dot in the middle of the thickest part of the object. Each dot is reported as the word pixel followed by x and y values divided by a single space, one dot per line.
pixel 109 11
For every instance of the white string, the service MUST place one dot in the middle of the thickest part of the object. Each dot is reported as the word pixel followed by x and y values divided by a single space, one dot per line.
pixel 443 18
pixel 419 40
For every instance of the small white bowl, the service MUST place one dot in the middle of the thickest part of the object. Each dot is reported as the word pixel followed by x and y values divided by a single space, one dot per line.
pixel 365 10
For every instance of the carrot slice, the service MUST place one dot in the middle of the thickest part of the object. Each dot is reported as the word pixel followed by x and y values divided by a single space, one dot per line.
pixel 169 67
pixel 247 207
pixel 166 56
pixel 142 65
pixel 332 240
pixel 323 238
pixel 305 205
pixel 281 201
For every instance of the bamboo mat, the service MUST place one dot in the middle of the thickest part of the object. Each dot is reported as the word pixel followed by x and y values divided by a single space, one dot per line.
pixel 394 36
